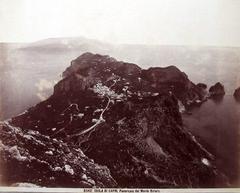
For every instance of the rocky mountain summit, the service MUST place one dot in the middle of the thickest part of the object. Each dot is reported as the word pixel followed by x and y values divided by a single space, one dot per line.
pixel 110 124
pixel 90 68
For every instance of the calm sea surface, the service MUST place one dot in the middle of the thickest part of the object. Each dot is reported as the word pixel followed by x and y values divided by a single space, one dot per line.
pixel 216 124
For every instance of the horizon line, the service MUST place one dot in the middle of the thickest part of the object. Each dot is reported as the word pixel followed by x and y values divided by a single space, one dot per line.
pixel 120 44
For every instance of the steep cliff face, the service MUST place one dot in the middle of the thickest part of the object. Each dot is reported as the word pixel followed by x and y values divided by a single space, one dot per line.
pixel 125 118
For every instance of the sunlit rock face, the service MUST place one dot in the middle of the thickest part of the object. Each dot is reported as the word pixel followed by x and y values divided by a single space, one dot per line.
pixel 124 118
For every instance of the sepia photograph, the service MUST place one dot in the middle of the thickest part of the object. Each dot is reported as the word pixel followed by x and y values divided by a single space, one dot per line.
pixel 121 96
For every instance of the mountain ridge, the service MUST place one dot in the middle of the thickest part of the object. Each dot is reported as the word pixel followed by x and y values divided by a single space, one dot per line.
pixel 21 65
pixel 122 117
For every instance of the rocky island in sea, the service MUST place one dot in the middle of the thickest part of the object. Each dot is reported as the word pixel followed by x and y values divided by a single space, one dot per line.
pixel 217 90
pixel 236 94
pixel 110 124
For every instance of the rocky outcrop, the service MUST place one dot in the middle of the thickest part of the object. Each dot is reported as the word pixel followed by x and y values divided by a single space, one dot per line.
pixel 216 90
pixel 122 117
pixel 87 61
pixel 171 79
pixel 28 156
pixel 236 94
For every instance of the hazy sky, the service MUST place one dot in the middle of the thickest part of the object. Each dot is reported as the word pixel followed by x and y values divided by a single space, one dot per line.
pixel 177 22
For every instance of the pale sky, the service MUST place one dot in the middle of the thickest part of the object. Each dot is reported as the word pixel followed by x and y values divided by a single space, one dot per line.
pixel 174 22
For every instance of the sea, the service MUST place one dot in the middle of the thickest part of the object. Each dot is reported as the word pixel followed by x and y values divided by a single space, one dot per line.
pixel 216 125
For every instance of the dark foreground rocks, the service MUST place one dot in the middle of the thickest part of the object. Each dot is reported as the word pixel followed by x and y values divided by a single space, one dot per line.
pixel 27 156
